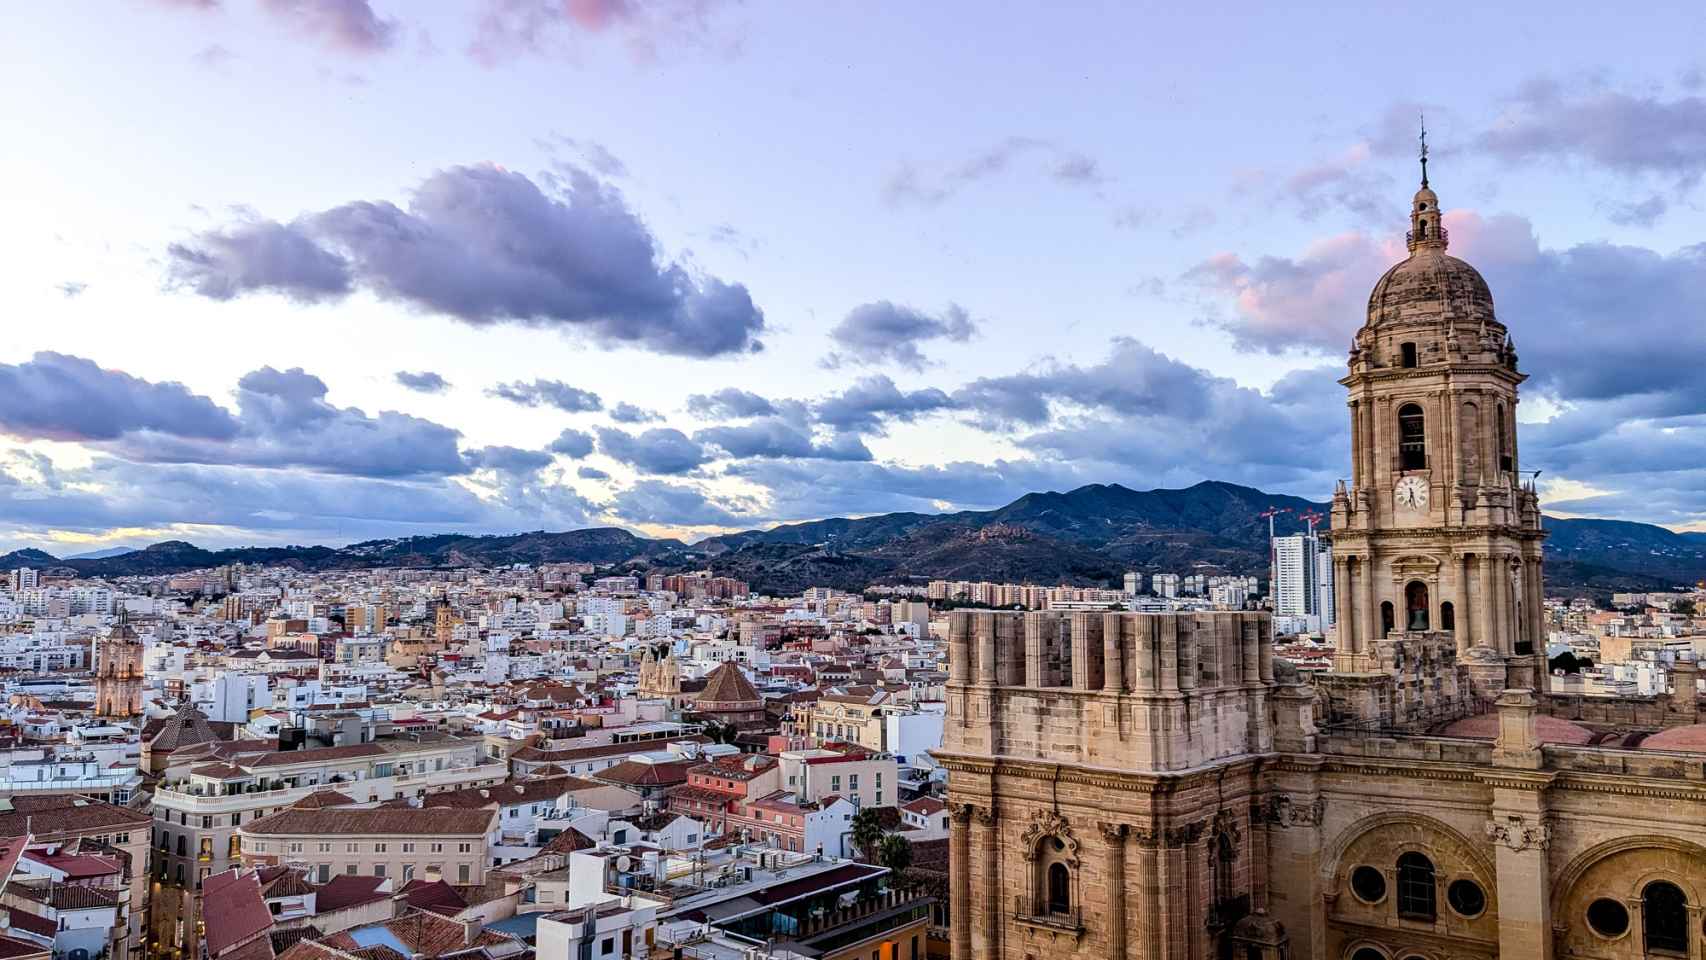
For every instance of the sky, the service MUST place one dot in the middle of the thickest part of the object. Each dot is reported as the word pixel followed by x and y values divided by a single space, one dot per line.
pixel 322 271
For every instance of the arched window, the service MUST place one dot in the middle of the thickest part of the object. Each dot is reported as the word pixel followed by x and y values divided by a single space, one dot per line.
pixel 1059 889
pixel 1416 606
pixel 1368 953
pixel 1406 354
pixel 1415 887
pixel 1664 917
pixel 1447 616
pixel 1387 623
pixel 1412 438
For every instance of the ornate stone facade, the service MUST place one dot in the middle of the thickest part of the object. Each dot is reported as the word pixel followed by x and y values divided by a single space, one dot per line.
pixel 1159 787
pixel 118 674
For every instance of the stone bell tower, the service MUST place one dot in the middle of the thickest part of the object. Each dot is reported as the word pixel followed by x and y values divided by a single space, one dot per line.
pixel 1436 534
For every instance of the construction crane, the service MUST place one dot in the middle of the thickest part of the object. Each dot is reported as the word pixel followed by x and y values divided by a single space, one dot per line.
pixel 1312 517
pixel 1273 556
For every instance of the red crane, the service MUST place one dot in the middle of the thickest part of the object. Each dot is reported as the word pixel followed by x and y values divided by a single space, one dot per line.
pixel 1312 517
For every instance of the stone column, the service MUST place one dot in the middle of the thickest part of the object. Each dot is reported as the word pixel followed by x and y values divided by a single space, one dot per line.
pixel 959 647
pixel 1342 604
pixel 1149 891
pixel 1035 624
pixel 959 883
pixel 985 640
pixel 1113 659
pixel 1370 605
pixel 1356 445
pixel 1465 636
pixel 1113 835
pixel 991 827
pixel 1485 617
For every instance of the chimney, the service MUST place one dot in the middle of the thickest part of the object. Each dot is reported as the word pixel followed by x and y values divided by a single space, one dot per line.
pixel 470 930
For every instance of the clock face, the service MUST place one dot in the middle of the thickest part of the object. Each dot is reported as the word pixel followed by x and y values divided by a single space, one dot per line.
pixel 1411 492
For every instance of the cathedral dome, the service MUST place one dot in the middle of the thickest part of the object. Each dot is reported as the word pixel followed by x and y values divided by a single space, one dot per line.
pixel 1550 729
pixel 1430 285
pixel 1689 739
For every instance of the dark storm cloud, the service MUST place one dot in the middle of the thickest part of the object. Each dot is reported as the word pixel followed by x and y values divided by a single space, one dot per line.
pixel 882 331
pixel 424 381
pixel 53 396
pixel 485 246
pixel 550 393
pixel 572 443
pixel 873 401
pixel 771 437
pixel 1135 380
pixel 626 412
pixel 658 501
pixel 664 450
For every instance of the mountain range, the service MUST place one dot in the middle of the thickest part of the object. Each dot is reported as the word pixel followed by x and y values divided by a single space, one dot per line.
pixel 1090 535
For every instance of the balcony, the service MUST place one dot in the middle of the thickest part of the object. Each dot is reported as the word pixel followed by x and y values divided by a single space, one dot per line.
pixel 1056 924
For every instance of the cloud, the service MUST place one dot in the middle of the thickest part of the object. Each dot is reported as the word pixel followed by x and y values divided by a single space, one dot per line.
pixel 626 412
pixel 72 288
pixel 550 393
pixel 1313 301
pixel 773 437
pixel 507 459
pixel 662 450
pixel 674 504
pixel 811 489
pixel 1623 133
pixel 906 186
pixel 594 154
pixel 730 402
pixel 1641 213
pixel 349 26
pixel 510 28
pixel 882 331
pixel 485 246
pixel 53 396
pixel 572 443
pixel 283 420
pixel 872 401
pixel 591 473
pixel 424 381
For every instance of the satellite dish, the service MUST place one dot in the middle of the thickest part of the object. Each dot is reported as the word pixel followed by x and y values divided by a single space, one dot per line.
pixel 624 863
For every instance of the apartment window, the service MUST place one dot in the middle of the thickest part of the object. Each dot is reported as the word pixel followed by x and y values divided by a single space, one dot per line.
pixel 438 848
pixel 408 848
pixel 354 848
pixel 408 872
pixel 295 846
pixel 835 784
pixel 206 822
pixel 463 873
pixel 464 848
pixel 349 868
pixel 853 782
pixel 608 946
pixel 325 848
pixel 379 869
pixel 379 848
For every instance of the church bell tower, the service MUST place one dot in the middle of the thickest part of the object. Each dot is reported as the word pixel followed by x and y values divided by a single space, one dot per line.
pixel 1436 532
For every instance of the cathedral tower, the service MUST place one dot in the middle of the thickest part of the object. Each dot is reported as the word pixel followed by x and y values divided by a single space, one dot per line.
pixel 1436 532
pixel 118 674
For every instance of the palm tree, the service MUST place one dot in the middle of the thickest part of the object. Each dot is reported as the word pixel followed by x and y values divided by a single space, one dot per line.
pixel 895 852
pixel 867 832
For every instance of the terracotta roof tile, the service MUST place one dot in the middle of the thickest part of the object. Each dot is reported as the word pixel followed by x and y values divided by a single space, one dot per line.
pixel 373 821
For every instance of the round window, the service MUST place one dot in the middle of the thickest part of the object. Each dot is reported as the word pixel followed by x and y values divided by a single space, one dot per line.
pixel 1466 898
pixel 1368 884
pixel 1608 918
pixel 1057 843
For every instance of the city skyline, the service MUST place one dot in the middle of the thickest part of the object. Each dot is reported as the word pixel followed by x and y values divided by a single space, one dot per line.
pixel 327 271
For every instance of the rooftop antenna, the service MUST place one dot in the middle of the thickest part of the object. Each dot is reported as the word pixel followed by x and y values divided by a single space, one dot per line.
pixel 1424 139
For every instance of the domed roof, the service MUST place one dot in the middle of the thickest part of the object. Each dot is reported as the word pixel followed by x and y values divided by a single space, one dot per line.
pixel 1550 729
pixel 1690 739
pixel 1430 285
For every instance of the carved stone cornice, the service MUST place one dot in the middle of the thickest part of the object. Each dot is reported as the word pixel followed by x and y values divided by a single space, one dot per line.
pixel 1280 810
pixel 1113 833
pixel 986 817
pixel 1519 833
pixel 1049 825
pixel 962 813
pixel 1185 834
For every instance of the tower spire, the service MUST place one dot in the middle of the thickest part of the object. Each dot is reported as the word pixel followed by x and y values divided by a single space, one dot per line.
pixel 1424 140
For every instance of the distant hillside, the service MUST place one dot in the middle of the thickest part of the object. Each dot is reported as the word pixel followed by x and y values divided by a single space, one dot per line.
pixel 1090 535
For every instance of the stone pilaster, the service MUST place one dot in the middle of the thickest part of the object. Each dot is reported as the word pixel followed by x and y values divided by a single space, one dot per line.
pixel 1114 836
pixel 1520 836
pixel 959 883
pixel 990 827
